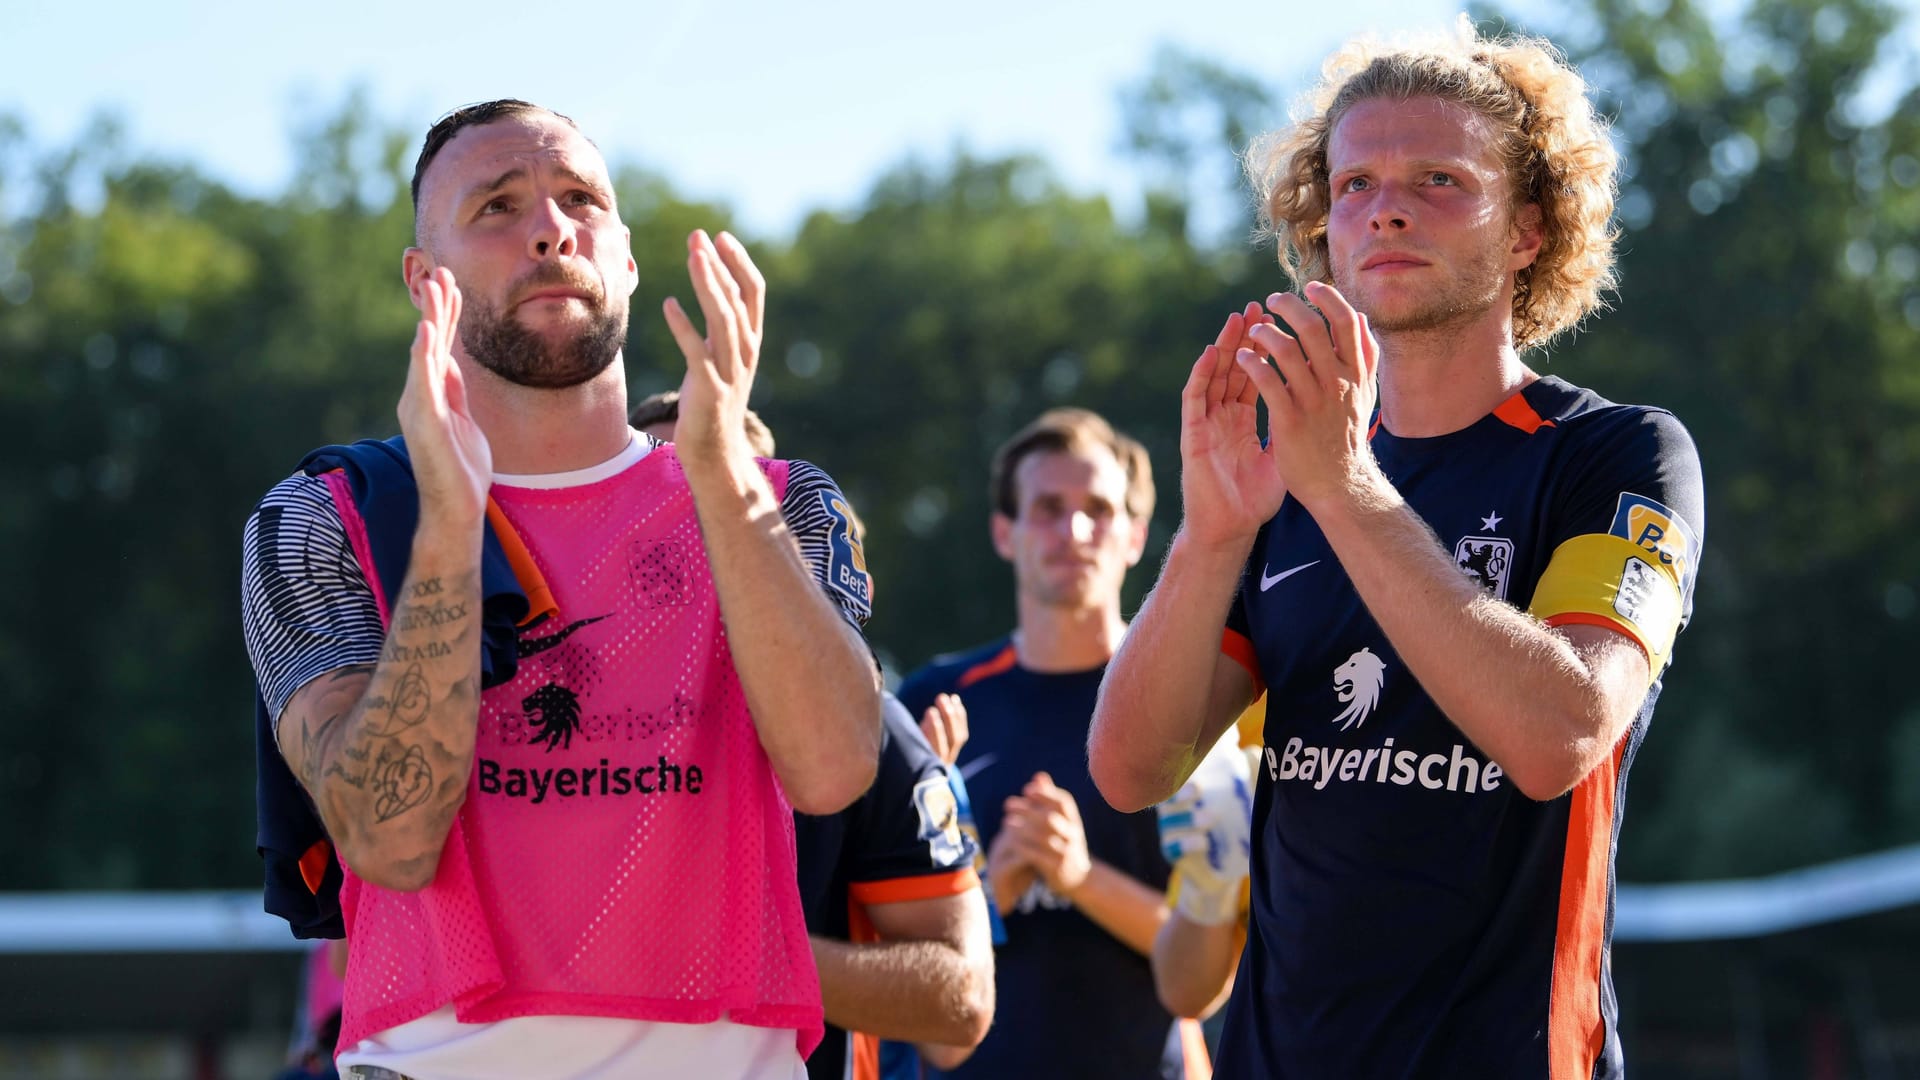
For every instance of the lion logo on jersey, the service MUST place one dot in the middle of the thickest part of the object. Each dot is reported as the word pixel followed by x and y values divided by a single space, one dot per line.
pixel 1358 683
pixel 553 711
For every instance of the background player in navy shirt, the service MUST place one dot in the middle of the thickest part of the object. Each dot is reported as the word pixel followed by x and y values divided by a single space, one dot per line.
pixel 1078 884
pixel 1460 607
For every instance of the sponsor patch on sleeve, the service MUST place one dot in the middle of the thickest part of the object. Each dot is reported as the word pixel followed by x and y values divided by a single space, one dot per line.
pixel 940 821
pixel 1648 524
pixel 846 559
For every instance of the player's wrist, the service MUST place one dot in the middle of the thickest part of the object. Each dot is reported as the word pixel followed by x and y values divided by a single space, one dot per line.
pixel 1205 540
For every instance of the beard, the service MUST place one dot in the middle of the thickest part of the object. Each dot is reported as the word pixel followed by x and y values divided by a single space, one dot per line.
pixel 1474 286
pixel 506 347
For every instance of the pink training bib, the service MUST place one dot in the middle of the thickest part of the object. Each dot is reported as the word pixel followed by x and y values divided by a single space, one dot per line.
pixel 625 849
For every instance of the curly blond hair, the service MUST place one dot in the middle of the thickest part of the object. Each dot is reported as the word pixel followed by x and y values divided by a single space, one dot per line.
pixel 1553 144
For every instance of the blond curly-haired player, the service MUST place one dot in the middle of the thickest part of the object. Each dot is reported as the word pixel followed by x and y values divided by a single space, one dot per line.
pixel 1457 581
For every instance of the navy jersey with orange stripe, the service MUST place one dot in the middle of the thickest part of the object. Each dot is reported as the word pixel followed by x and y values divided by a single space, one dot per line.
pixel 1413 914
pixel 901 840
pixel 1073 1000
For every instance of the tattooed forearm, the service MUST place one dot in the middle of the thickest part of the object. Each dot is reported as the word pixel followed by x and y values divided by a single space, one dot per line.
pixel 386 749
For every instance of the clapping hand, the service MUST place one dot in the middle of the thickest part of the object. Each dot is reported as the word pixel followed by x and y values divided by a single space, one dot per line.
pixel 721 364
pixel 1229 484
pixel 1319 391
pixel 452 462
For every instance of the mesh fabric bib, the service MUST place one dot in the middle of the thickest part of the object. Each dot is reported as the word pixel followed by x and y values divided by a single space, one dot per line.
pixel 624 849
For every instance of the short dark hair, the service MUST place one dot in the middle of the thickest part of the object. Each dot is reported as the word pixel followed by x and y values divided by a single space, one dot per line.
pixel 1071 430
pixel 664 408
pixel 466 116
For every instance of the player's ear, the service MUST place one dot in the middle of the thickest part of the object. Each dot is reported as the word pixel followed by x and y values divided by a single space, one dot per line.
pixel 1137 539
pixel 1002 528
pixel 633 266
pixel 1527 237
pixel 416 266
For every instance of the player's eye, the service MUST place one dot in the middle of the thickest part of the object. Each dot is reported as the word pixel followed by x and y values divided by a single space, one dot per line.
pixel 496 206
pixel 1355 183
pixel 1443 179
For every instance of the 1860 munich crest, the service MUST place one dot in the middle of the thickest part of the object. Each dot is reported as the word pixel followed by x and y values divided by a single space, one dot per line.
pixel 1487 560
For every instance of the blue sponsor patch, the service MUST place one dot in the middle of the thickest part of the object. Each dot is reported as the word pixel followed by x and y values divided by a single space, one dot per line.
pixel 1661 532
pixel 846 559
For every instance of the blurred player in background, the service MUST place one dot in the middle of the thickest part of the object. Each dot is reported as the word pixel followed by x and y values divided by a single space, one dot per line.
pixel 1080 887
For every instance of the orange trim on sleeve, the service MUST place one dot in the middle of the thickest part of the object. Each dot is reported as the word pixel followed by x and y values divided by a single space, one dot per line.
pixel 313 865
pixel 918 887
pixel 1586 618
pixel 1003 661
pixel 540 603
pixel 1575 1030
pixel 865 1051
pixel 1516 412
pixel 1239 649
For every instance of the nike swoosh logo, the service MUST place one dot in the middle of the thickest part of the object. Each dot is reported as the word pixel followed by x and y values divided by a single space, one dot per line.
pixel 536 646
pixel 978 765
pixel 1267 582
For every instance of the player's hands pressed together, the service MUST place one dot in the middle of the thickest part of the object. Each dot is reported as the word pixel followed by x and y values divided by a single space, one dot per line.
pixel 1229 486
pixel 1320 400
pixel 452 462
pixel 1042 824
pixel 721 365
pixel 945 726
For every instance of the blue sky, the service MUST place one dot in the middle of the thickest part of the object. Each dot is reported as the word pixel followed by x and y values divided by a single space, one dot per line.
pixel 774 108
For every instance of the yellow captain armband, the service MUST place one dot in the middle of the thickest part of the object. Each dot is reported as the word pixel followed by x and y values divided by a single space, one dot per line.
pixel 1606 580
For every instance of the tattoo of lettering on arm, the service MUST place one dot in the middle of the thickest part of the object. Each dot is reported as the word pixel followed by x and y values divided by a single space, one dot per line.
pixel 359 742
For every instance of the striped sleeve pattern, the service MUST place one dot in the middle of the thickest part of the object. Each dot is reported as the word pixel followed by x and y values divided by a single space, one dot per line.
pixel 809 493
pixel 305 606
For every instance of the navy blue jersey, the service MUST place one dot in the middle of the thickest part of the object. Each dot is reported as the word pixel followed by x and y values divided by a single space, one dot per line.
pixel 901 840
pixel 1413 914
pixel 1073 1000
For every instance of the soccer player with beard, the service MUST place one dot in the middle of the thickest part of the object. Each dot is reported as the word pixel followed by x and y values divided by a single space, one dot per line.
pixel 567 845
pixel 1460 603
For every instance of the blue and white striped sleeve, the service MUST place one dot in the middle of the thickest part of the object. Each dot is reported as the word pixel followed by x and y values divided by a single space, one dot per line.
pixel 305 605
pixel 822 521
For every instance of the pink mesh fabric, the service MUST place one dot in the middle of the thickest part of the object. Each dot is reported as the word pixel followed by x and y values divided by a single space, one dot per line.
pixel 625 849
